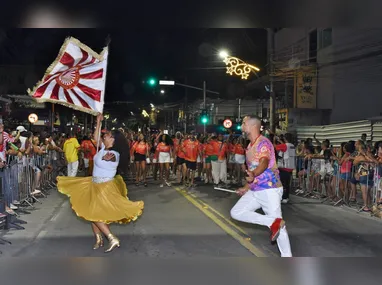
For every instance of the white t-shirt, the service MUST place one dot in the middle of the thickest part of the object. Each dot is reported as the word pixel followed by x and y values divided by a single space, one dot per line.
pixel 23 141
pixel 103 168
pixel 53 152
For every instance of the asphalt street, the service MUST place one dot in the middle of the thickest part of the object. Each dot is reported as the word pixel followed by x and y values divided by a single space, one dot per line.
pixel 179 222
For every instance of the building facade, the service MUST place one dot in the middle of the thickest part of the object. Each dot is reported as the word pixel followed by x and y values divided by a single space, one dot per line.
pixel 347 64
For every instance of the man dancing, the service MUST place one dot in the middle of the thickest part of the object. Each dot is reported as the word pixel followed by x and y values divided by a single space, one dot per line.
pixel 264 189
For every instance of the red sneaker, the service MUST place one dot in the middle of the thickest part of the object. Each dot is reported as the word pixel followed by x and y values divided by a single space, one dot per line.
pixel 275 228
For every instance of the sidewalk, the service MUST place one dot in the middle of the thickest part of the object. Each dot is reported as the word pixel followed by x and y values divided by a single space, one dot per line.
pixel 36 222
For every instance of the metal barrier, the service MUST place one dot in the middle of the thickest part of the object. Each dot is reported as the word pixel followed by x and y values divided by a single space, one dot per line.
pixel 23 181
pixel 313 180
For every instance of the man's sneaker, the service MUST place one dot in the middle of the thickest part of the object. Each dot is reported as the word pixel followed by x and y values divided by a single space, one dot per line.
pixel 15 202
pixel 285 201
pixel 161 186
pixel 277 225
pixel 168 184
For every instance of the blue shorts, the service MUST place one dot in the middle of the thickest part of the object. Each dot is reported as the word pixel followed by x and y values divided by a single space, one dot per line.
pixel 346 176
pixel 363 180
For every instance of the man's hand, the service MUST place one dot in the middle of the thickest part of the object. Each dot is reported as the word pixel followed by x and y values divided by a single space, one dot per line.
pixel 241 191
pixel 1 128
pixel 250 176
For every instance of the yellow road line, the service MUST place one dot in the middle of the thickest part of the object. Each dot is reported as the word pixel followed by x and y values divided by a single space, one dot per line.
pixel 224 218
pixel 203 208
pixel 232 223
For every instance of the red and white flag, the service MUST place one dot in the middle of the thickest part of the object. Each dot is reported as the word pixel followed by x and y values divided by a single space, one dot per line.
pixel 75 79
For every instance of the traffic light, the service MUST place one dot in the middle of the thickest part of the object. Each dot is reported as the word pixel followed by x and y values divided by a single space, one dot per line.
pixel 152 81
pixel 204 117
pixel 238 127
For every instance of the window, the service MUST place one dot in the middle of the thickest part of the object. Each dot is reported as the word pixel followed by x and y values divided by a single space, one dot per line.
pixel 324 38
pixel 313 46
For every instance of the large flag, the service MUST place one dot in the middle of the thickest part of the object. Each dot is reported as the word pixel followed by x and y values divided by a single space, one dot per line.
pixel 75 79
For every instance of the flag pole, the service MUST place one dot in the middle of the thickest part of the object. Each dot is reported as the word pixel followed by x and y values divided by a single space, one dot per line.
pixel 107 43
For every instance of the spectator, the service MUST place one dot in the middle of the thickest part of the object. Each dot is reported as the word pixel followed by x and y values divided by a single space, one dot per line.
pixel 88 146
pixel 219 163
pixel 363 174
pixel 71 148
pixel 286 163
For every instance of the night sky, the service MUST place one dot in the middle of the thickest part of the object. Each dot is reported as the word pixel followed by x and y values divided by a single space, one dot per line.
pixel 135 55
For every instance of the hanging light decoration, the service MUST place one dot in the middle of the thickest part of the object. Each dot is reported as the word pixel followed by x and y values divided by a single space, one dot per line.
pixel 235 66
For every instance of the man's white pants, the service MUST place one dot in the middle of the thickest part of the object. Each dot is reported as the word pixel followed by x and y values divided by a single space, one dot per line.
pixel 219 171
pixel 72 169
pixel 270 201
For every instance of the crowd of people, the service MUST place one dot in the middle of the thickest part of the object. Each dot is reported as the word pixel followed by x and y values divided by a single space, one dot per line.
pixel 182 159
pixel 215 159
pixel 220 160
pixel 335 173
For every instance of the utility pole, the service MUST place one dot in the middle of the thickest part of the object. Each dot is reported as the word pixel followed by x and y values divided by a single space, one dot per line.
pixel 272 97
pixel 204 103
pixel 239 111
pixel 185 106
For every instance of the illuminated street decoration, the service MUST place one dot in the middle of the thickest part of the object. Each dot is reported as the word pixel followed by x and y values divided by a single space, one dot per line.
pixel 236 66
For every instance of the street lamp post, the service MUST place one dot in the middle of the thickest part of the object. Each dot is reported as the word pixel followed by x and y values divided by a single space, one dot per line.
pixel 272 111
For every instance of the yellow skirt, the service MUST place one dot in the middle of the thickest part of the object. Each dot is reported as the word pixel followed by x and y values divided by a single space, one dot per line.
pixel 100 202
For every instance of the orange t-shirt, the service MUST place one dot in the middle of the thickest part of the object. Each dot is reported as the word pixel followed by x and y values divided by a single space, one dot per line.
pixel 178 150
pixel 141 148
pixel 208 149
pixel 220 149
pixel 239 149
pixel 88 145
pixel 191 149
pixel 162 147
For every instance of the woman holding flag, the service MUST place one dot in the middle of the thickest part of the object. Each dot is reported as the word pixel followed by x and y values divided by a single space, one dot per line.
pixel 102 198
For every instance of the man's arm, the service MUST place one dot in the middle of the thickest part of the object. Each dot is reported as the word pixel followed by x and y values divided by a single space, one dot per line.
pixel 263 165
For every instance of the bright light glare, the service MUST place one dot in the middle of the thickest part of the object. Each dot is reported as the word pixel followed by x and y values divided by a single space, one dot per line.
pixel 223 54
pixel 162 91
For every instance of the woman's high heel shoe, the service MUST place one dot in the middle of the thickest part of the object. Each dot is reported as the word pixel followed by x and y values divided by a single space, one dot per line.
pixel 113 242
pixel 99 241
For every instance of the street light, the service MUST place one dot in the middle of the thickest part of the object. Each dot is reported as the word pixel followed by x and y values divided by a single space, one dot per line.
pixel 223 54
pixel 162 92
